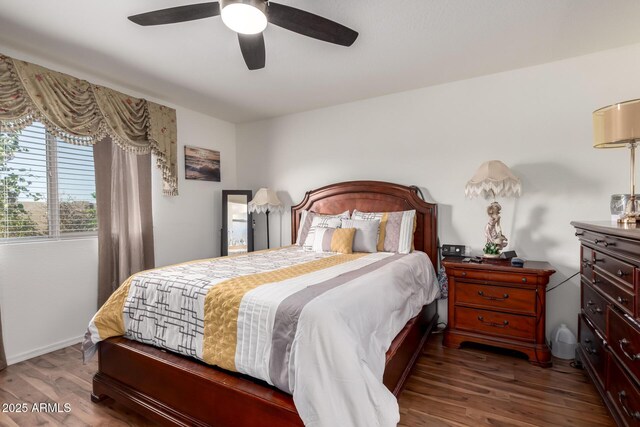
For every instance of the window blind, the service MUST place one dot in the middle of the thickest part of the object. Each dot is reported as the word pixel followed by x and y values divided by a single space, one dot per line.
pixel 47 187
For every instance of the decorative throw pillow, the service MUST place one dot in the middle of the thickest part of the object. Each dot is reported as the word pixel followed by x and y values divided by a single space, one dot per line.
pixel 366 238
pixel 309 221
pixel 396 229
pixel 334 240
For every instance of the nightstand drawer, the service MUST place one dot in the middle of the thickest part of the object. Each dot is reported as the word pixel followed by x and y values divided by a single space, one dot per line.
pixel 502 298
pixel 495 323
pixel 624 340
pixel 495 276
pixel 620 270
pixel 593 347
pixel 594 307
pixel 620 295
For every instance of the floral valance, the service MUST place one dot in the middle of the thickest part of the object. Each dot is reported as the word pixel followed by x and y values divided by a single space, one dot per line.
pixel 79 112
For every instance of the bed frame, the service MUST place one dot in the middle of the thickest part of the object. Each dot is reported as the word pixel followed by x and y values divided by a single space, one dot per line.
pixel 178 390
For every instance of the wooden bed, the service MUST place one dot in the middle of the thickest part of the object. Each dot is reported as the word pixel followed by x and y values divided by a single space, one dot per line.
pixel 178 390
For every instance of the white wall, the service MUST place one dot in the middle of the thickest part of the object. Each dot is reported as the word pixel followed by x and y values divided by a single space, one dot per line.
pixel 48 290
pixel 537 120
pixel 188 227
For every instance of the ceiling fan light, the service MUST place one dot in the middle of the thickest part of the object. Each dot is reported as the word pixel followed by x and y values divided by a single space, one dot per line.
pixel 244 16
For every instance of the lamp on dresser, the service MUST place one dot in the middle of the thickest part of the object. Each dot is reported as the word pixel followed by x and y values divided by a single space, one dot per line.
pixel 618 126
pixel 266 200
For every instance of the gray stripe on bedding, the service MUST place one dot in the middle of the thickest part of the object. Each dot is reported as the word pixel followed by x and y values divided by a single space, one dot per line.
pixel 288 313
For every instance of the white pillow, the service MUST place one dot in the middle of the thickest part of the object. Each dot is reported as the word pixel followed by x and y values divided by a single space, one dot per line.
pixel 366 238
pixel 319 221
pixel 305 223
pixel 396 229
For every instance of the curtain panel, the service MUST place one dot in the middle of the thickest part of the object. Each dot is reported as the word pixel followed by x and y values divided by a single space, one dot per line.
pixel 125 221
pixel 79 112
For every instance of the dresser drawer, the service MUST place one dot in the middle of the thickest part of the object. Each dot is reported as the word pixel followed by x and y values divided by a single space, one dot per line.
pixel 624 340
pixel 593 347
pixel 618 294
pixel 620 246
pixel 494 276
pixel 593 237
pixel 594 307
pixel 623 394
pixel 502 298
pixel 495 323
pixel 586 262
pixel 619 270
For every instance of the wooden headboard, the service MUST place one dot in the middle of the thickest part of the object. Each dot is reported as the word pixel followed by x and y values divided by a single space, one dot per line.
pixel 374 196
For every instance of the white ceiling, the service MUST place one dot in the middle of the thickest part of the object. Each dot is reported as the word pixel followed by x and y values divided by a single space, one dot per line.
pixel 403 44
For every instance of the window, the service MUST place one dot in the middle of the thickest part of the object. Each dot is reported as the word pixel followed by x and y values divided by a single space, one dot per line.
pixel 47 187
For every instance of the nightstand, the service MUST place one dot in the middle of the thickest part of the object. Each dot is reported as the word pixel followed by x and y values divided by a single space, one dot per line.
pixel 496 304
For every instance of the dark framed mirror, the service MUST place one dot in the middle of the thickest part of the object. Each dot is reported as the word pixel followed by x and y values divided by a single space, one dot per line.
pixel 237 224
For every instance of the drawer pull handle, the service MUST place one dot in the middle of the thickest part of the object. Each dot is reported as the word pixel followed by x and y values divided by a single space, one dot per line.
pixel 596 260
pixel 622 300
pixel 598 310
pixel 494 324
pixel 623 342
pixel 590 303
pixel 587 341
pixel 492 298
pixel 621 273
pixel 524 280
pixel 622 396
pixel 595 281
pixel 604 243
pixel 586 264
pixel 579 233
pixel 592 350
pixel 464 273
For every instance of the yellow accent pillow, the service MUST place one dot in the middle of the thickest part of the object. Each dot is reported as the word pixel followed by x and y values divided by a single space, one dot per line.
pixel 342 240
pixel 334 240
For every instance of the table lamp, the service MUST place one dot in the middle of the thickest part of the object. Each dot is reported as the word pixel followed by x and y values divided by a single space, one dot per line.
pixel 493 179
pixel 618 126
pixel 265 200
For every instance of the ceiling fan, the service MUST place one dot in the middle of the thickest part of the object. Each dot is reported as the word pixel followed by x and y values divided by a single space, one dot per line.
pixel 249 18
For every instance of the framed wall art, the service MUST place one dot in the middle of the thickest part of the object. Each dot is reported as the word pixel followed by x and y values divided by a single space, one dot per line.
pixel 201 164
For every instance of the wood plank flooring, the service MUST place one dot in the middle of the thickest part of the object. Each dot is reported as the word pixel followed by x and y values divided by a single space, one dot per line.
pixel 467 387
pixel 476 387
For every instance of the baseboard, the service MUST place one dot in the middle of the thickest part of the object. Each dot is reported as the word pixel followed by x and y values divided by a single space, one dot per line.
pixel 17 358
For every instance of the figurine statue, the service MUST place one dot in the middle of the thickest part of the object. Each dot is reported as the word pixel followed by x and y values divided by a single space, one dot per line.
pixel 493 230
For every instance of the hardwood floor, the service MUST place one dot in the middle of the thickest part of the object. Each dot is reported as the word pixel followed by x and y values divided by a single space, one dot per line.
pixel 467 387
pixel 476 387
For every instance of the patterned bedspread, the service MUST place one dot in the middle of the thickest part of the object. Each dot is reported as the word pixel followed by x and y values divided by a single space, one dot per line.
pixel 287 316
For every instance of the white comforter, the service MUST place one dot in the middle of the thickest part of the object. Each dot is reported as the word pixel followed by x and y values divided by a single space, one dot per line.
pixel 342 339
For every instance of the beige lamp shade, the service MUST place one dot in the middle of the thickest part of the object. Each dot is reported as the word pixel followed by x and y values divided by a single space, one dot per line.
pixel 493 179
pixel 265 200
pixel 617 125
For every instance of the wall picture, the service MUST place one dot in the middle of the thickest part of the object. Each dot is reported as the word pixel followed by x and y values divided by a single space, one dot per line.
pixel 202 164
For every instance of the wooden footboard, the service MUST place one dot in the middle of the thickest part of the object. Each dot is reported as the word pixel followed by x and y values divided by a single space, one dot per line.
pixel 176 390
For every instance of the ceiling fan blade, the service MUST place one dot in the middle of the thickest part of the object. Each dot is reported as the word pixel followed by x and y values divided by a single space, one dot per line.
pixel 253 50
pixel 177 14
pixel 310 25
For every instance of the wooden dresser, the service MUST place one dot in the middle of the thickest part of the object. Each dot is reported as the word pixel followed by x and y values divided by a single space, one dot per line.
pixel 609 333
pixel 496 304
